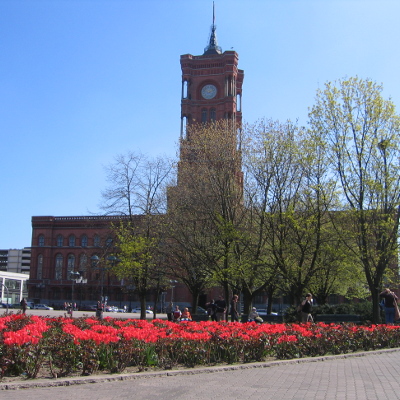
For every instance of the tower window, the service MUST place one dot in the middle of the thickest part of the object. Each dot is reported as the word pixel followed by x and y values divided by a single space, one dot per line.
pixel 238 102
pixel 41 240
pixel 185 89
pixel 203 115
pixel 213 115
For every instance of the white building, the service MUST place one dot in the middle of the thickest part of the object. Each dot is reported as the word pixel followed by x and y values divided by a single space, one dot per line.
pixel 16 260
pixel 13 287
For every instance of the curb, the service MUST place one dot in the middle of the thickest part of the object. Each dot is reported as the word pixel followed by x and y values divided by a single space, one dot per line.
pixel 81 380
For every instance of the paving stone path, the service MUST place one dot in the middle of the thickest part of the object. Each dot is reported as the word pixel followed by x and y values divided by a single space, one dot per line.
pixel 373 375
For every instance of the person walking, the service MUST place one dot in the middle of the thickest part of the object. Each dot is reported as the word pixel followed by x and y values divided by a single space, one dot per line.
pixel 211 310
pixel 24 305
pixel 220 309
pixel 234 309
pixel 306 307
pixel 390 305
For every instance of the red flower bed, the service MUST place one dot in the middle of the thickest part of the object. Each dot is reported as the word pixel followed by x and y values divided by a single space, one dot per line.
pixel 84 345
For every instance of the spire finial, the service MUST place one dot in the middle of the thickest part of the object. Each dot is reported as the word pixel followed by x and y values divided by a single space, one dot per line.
pixel 213 47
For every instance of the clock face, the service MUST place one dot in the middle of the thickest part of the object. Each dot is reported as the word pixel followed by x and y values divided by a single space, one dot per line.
pixel 209 91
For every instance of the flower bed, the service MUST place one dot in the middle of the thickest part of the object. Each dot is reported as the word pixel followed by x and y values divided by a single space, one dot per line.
pixel 85 345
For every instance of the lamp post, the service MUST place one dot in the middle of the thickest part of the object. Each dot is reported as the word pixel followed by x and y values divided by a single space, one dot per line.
pixel 8 295
pixel 100 307
pixel 103 300
pixel 172 289
pixel 74 276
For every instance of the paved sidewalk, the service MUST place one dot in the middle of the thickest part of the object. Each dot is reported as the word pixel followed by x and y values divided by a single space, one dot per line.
pixel 372 375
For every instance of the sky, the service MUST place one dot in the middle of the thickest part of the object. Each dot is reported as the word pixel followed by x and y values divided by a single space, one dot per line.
pixel 82 81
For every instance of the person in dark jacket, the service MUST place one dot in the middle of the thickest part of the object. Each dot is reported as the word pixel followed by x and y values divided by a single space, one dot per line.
pixel 306 307
pixel 390 305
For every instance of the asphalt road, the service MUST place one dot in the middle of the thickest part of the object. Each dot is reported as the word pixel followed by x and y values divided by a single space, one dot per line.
pixel 77 314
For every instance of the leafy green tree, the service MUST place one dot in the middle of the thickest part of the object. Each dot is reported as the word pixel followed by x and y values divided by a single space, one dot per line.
pixel 209 195
pixel 137 264
pixel 291 195
pixel 362 132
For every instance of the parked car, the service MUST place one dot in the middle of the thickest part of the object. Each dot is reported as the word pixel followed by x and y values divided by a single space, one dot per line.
pixel 43 307
pixel 199 311
pixel 137 310
pixel 86 307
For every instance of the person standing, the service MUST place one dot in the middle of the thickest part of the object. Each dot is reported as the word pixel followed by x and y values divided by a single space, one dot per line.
pixel 220 309
pixel 234 309
pixel 390 305
pixel 306 307
pixel 24 305
pixel 169 310
pixel 211 308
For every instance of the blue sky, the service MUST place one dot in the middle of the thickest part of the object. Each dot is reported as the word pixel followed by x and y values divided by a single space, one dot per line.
pixel 82 81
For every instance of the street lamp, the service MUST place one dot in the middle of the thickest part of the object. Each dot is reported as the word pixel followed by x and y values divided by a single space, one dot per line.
pixel 172 289
pixel 8 295
pixel 100 308
pixel 74 276
pixel 95 261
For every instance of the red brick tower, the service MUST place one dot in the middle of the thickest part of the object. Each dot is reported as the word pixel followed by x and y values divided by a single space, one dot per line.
pixel 211 86
pixel 211 92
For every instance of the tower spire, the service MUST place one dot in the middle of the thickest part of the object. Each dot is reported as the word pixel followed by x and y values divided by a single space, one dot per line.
pixel 213 47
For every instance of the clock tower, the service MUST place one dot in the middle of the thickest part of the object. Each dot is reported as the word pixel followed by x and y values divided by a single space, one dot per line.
pixel 211 86
pixel 211 120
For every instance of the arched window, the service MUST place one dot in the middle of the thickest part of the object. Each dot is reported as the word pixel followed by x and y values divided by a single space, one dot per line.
pixel 71 241
pixel 96 241
pixel 184 123
pixel 84 241
pixel 109 241
pixel 70 265
pixel 60 241
pixel 185 89
pixel 203 115
pixel 238 102
pixel 213 114
pixel 39 271
pixel 59 266
pixel 41 240
pixel 83 262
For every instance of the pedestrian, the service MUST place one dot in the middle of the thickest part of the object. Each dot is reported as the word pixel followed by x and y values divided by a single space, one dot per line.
pixel 170 311
pixel 220 310
pixel 211 310
pixel 234 309
pixel 390 306
pixel 306 307
pixel 24 305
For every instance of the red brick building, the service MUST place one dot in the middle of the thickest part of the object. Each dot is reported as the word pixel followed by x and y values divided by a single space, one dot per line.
pixel 211 91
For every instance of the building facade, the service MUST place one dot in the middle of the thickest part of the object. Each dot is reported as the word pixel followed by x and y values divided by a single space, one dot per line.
pixel 15 260
pixel 63 247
